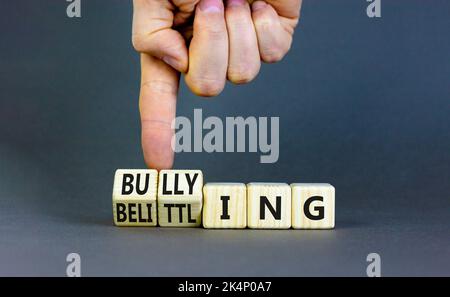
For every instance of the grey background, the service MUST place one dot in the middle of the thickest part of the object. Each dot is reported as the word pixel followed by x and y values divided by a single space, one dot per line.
pixel 363 104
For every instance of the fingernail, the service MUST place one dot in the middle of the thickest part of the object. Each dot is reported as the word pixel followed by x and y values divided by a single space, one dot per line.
pixel 211 5
pixel 231 3
pixel 170 61
pixel 258 5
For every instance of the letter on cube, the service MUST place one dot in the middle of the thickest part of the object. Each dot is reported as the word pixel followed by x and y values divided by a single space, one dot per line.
pixel 313 206
pixel 134 197
pixel 269 205
pixel 225 205
pixel 180 198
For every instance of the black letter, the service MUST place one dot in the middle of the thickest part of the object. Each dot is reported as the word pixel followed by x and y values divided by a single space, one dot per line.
pixel 319 209
pixel 190 219
pixel 121 210
pixel 140 218
pixel 276 213
pixel 165 191
pixel 131 212
pixel 169 212
pixel 225 215
pixel 191 183
pixel 149 210
pixel 176 191
pixel 127 181
pixel 180 211
pixel 138 182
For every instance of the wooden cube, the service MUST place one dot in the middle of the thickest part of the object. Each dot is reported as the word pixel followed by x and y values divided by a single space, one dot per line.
pixel 180 198
pixel 269 205
pixel 313 206
pixel 134 197
pixel 225 205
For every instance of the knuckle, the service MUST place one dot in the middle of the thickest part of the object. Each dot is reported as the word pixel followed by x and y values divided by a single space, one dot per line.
pixel 241 75
pixel 237 18
pixel 159 87
pixel 206 87
pixel 272 56
pixel 265 23
pixel 215 33
pixel 213 30
pixel 273 53
pixel 154 125
pixel 138 43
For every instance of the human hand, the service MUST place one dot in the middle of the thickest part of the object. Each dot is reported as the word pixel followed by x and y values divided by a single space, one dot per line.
pixel 227 43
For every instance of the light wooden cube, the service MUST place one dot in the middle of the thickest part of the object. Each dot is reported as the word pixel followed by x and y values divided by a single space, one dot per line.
pixel 225 205
pixel 134 197
pixel 313 206
pixel 269 205
pixel 180 198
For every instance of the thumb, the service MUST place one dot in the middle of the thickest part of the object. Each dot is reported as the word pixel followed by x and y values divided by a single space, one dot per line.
pixel 157 106
pixel 153 33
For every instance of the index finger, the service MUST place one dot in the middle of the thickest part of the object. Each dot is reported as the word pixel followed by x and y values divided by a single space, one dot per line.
pixel 157 106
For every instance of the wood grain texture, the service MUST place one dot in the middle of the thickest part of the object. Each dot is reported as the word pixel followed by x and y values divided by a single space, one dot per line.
pixel 180 198
pixel 269 205
pixel 313 206
pixel 134 197
pixel 225 205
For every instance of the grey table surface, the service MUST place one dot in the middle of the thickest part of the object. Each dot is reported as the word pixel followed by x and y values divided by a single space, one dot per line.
pixel 364 104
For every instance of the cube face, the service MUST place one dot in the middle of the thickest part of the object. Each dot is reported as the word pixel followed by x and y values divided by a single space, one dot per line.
pixel 180 198
pixel 134 197
pixel 313 206
pixel 269 205
pixel 225 205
